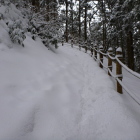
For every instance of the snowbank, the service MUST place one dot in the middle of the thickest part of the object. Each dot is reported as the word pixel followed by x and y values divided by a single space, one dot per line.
pixel 61 95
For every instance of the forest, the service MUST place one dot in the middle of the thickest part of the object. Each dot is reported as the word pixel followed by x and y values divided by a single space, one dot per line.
pixel 107 23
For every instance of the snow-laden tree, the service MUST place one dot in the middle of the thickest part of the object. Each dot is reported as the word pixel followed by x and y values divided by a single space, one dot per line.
pixel 40 18
pixel 46 24
pixel 16 32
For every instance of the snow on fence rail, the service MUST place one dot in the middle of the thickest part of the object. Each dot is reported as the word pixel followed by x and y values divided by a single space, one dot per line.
pixel 98 56
pixel 118 58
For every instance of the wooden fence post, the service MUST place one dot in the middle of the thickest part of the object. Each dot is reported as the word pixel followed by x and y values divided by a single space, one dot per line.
pixel 110 52
pixel 119 69
pixel 95 52
pixel 101 57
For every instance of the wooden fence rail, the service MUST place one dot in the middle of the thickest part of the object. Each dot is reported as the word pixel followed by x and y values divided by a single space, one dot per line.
pixel 109 67
pixel 119 64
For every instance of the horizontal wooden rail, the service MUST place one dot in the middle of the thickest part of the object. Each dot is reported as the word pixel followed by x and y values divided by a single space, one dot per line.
pixel 127 69
pixel 132 95
pixel 104 54
pixel 113 58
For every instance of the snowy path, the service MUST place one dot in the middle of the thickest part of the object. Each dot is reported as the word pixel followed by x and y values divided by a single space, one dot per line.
pixel 61 96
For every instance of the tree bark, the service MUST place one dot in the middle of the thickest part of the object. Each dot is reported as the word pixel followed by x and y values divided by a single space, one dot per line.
pixel 79 19
pixel 72 29
pixel 85 22
pixel 66 20
pixel 33 2
pixel 104 26
pixel 130 50
pixel 47 10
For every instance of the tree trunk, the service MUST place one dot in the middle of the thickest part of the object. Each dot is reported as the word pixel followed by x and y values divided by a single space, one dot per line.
pixel 85 23
pixel 130 51
pixel 66 20
pixel 104 26
pixel 47 10
pixel 33 2
pixel 37 5
pixel 79 19
pixel 72 18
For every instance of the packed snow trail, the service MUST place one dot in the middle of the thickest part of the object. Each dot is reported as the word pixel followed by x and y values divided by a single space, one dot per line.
pixel 61 95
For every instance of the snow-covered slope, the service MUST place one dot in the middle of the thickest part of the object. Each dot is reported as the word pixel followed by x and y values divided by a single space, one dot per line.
pixel 60 95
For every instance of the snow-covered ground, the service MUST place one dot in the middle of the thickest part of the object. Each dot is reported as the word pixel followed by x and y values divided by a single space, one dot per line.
pixel 61 95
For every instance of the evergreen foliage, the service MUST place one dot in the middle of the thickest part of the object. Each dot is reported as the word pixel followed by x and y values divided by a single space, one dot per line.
pixel 16 32
pixel 107 23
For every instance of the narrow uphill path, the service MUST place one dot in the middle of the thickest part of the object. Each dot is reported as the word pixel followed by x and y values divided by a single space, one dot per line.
pixel 62 96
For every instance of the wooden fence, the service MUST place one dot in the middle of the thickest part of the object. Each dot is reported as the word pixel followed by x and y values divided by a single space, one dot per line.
pixel 99 55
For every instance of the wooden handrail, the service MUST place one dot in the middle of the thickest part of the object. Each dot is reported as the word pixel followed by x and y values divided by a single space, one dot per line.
pixel 119 64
